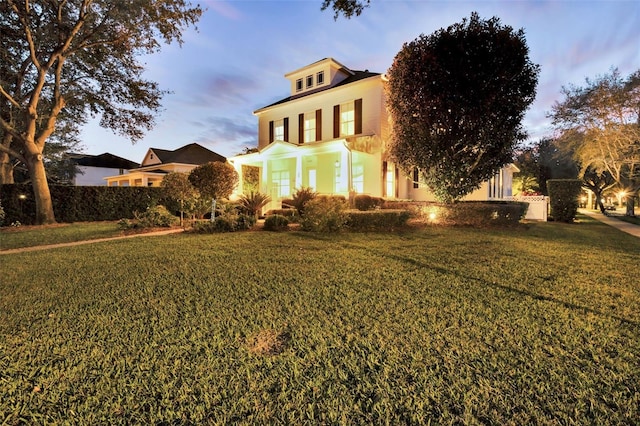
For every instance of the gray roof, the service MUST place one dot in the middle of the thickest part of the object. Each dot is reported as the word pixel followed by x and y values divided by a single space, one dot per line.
pixel 357 76
pixel 188 154
pixel 106 160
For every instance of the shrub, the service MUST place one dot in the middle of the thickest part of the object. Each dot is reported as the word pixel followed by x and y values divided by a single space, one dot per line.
pixel 324 214
pixel 253 203
pixel 300 199
pixel 228 219
pixel 379 220
pixel 563 195
pixel 157 216
pixel 365 202
pixel 276 222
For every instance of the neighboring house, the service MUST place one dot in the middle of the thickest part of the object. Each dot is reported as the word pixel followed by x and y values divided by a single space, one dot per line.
pixel 92 169
pixel 158 162
pixel 331 135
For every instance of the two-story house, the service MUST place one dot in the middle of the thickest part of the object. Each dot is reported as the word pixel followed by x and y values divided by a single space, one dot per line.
pixel 330 135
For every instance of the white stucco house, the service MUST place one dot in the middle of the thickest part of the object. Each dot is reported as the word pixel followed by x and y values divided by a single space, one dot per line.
pixel 92 169
pixel 330 134
pixel 158 162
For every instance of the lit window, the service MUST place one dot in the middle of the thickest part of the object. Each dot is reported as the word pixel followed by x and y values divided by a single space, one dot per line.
pixel 298 85
pixel 309 81
pixel 310 127
pixel 320 78
pixel 347 119
pixel 278 130
pixel 281 183
pixel 358 178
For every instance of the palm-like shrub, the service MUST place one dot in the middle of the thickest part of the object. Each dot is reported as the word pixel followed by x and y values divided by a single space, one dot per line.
pixel 253 202
pixel 300 198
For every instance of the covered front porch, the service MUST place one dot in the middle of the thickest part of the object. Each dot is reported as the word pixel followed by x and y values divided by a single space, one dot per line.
pixel 326 167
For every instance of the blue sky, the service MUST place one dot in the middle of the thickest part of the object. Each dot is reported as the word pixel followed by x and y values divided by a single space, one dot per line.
pixel 236 61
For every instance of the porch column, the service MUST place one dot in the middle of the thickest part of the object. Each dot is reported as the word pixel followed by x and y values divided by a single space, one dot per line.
pixel 298 171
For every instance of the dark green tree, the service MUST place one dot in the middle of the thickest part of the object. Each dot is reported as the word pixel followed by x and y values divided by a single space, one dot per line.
pixel 457 98
pixel 81 58
pixel 347 8
pixel 214 180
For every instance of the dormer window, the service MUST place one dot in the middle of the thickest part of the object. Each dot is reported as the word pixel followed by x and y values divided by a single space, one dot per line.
pixel 320 78
pixel 298 85
pixel 309 81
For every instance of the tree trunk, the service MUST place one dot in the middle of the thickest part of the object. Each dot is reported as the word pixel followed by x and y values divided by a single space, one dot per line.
pixel 44 205
pixel 6 168
pixel 631 202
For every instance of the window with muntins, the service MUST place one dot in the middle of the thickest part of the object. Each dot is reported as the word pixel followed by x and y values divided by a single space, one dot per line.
pixel 281 183
pixel 320 78
pixel 347 119
pixel 309 81
pixel 298 85
pixel 358 178
pixel 310 127
pixel 278 130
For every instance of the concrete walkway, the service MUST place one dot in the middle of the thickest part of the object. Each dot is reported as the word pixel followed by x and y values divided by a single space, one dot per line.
pixel 97 240
pixel 627 227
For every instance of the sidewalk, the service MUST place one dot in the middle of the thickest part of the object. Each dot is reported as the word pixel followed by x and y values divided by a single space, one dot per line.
pixel 78 243
pixel 627 227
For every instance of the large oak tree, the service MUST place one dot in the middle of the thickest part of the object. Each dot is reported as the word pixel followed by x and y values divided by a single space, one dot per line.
pixel 457 98
pixel 79 58
pixel 599 123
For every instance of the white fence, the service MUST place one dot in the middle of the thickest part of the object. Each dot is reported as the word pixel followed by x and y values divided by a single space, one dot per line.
pixel 538 206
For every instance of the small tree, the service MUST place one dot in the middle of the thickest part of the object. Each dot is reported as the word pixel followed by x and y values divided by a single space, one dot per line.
pixel 214 180
pixel 457 99
pixel 178 187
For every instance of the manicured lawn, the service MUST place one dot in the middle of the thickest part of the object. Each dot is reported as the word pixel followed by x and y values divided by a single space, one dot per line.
pixel 442 325
pixel 28 236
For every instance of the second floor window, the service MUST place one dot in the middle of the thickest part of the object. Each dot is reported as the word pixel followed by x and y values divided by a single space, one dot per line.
pixel 310 127
pixel 347 119
pixel 278 130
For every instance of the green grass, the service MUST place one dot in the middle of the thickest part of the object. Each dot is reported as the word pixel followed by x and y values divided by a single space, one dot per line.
pixel 28 236
pixel 536 325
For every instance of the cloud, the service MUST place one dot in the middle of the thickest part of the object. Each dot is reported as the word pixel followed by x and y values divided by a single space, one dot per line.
pixel 213 90
pixel 227 135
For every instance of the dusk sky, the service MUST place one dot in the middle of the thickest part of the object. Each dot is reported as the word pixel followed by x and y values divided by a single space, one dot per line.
pixel 236 61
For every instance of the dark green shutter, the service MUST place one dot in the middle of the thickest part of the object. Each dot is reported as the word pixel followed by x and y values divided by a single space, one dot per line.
pixel 336 121
pixel 358 116
pixel 270 131
pixel 318 124
pixel 300 128
pixel 286 129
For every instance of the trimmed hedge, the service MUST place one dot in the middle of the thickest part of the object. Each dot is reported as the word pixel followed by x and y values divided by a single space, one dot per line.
pixel 563 198
pixel 365 202
pixel 276 222
pixel 81 203
pixel 465 213
pixel 377 220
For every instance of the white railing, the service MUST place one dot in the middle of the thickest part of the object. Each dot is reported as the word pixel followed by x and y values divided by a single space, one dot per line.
pixel 538 206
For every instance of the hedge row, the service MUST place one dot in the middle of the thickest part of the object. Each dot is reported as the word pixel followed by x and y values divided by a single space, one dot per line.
pixel 80 203
pixel 377 220
pixel 467 213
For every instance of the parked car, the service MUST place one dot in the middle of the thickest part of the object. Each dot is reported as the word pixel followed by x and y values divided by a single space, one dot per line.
pixel 609 207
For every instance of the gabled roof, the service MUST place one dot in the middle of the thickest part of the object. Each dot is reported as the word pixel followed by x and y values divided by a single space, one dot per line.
pixel 188 154
pixel 106 160
pixel 357 76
